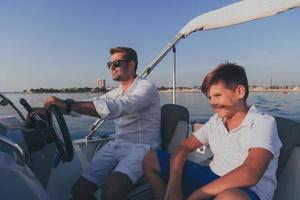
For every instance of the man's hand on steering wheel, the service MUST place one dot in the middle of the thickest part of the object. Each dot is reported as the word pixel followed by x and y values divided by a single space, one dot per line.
pixel 52 100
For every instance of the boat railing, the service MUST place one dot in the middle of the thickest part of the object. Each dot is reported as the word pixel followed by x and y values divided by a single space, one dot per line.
pixel 21 159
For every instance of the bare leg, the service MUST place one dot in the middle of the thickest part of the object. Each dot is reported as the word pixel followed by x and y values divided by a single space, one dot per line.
pixel 116 187
pixel 152 172
pixel 230 194
pixel 84 189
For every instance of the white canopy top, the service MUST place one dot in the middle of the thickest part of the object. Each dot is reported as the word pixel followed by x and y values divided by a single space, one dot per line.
pixel 240 12
pixel 236 13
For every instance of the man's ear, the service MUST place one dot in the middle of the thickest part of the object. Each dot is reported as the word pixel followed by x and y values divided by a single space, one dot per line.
pixel 241 91
pixel 131 64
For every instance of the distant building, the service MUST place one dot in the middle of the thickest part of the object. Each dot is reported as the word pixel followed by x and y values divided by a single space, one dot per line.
pixel 101 84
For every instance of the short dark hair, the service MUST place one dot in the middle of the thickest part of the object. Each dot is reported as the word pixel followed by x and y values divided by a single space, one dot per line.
pixel 130 54
pixel 230 74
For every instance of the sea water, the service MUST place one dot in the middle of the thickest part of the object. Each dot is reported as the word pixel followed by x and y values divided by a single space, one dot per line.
pixel 275 103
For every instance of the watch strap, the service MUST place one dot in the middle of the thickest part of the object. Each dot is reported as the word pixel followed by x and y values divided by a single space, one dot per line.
pixel 69 103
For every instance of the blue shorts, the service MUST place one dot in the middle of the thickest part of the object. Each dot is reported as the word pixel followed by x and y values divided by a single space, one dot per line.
pixel 194 176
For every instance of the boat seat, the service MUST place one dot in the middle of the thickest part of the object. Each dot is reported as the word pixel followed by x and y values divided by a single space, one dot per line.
pixel 202 155
pixel 174 128
pixel 288 173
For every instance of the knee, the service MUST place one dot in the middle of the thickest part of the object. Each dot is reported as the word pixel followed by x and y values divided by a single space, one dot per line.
pixel 150 162
pixel 116 187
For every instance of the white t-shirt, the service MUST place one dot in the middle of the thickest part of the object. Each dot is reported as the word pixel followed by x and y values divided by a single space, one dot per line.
pixel 136 113
pixel 230 149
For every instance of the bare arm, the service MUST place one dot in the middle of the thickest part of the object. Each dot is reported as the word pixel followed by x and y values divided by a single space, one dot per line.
pixel 84 107
pixel 176 165
pixel 248 174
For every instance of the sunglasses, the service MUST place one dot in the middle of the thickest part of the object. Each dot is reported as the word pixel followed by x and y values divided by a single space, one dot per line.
pixel 115 63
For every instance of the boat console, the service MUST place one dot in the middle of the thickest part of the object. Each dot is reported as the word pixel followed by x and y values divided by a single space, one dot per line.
pixel 29 147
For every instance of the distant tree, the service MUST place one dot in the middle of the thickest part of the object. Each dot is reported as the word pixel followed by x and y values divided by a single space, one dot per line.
pixel 163 88
pixel 67 90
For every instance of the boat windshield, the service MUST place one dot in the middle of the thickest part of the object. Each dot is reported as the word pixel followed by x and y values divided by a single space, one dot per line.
pixel 8 109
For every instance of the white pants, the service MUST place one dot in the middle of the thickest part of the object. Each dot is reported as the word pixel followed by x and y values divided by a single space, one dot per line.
pixel 116 156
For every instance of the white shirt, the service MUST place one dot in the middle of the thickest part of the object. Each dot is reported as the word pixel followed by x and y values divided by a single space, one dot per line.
pixel 230 149
pixel 136 113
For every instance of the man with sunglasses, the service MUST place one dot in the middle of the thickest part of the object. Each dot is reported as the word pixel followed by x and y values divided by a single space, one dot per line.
pixel 135 108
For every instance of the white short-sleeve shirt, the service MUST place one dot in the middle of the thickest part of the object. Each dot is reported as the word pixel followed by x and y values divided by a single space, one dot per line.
pixel 136 113
pixel 230 149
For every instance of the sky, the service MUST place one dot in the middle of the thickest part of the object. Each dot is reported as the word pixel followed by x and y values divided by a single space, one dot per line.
pixel 63 43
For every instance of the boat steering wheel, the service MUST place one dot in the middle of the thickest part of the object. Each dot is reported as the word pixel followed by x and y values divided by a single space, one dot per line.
pixel 61 133
pixel 54 128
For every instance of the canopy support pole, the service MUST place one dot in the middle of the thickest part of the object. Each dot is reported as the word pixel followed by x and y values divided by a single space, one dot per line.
pixel 160 56
pixel 174 75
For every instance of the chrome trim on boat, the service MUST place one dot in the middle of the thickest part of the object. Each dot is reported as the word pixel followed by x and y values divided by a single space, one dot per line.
pixel 21 155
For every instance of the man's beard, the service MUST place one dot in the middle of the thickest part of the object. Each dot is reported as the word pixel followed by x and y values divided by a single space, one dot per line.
pixel 117 78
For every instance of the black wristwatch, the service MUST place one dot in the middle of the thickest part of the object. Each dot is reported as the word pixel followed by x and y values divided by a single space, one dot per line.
pixel 69 103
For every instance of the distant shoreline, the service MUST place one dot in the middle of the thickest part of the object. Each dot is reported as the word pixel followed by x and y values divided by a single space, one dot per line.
pixel 251 90
pixel 166 91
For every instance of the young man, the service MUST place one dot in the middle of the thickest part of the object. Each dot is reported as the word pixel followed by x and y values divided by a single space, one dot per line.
pixel 135 108
pixel 244 142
